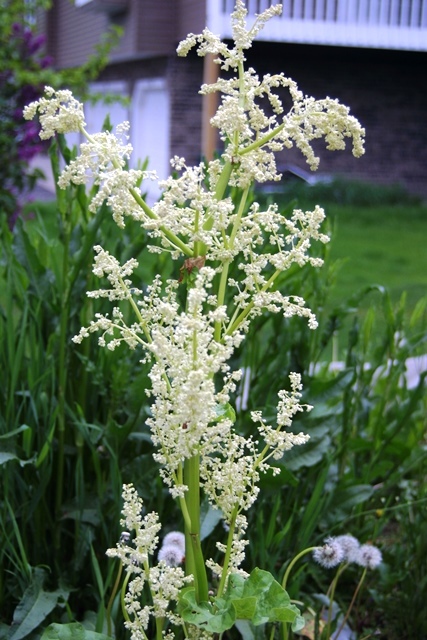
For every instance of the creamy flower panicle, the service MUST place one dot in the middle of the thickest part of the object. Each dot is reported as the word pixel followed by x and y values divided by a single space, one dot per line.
pixel 164 580
pixel 201 222
pixel 255 137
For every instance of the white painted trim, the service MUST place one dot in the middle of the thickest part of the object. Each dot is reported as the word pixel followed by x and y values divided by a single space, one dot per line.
pixel 150 129
pixel 359 23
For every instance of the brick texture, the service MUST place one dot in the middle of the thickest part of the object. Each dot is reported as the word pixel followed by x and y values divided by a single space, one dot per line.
pixel 385 90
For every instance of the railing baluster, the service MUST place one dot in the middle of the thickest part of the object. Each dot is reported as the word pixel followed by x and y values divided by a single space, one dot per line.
pixel 339 22
pixel 298 14
pixel 394 13
pixel 330 11
pixel 404 13
pixel 320 10
pixel 415 13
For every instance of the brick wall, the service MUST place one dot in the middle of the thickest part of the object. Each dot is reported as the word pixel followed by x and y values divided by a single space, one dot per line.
pixel 385 90
pixel 185 78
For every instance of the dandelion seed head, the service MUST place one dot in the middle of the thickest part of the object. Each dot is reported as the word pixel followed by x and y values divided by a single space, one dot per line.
pixel 330 555
pixel 171 555
pixel 369 556
pixel 350 545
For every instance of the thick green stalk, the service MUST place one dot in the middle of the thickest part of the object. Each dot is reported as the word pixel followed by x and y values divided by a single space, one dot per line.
pixel 194 549
pixel 111 600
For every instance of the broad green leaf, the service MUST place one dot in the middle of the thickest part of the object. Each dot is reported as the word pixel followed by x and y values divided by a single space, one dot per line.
pixel 7 456
pixel 224 412
pixel 71 631
pixel 208 520
pixel 14 432
pixel 35 606
pixel 258 598
pixel 306 455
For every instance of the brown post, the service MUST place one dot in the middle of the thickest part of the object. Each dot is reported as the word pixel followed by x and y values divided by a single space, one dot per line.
pixel 209 107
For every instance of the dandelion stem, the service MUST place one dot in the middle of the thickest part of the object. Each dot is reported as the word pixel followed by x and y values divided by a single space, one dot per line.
pixel 353 600
pixel 111 600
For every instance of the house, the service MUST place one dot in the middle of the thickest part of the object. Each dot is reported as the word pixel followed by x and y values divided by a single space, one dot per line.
pixel 370 54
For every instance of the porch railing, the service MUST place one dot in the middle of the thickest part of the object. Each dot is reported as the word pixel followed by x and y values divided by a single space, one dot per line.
pixel 388 24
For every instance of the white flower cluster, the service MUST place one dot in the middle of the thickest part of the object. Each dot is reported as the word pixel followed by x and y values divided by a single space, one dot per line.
pixel 234 253
pixel 347 549
pixel 164 580
pixel 255 137
pixel 59 112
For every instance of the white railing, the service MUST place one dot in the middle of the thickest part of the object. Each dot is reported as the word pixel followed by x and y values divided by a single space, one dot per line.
pixel 388 24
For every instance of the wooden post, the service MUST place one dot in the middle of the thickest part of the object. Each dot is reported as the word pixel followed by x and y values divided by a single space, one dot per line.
pixel 209 107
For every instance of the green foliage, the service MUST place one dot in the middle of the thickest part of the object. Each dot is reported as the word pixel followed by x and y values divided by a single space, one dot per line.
pixel 76 78
pixel 72 430
pixel 367 433
pixel 348 192
pixel 71 419
pixel 71 631
pixel 258 599
pixel 24 72
pixel 35 606
pixel 378 236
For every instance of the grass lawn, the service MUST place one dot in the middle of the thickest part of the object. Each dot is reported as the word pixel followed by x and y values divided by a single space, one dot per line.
pixel 385 245
pixel 379 233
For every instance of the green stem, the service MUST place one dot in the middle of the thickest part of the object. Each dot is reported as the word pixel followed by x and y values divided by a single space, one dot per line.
pixel 192 500
pixel 221 297
pixel 62 382
pixel 285 633
pixel 122 600
pixel 227 552
pixel 159 628
pixel 261 141
pixel 235 325
pixel 112 596
pixel 332 596
pixel 223 180
pixel 173 239
pixel 353 600
pixel 293 562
